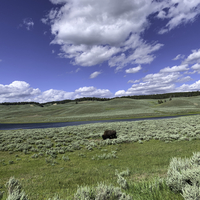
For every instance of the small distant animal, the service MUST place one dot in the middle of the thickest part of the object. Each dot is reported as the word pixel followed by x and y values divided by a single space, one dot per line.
pixel 109 134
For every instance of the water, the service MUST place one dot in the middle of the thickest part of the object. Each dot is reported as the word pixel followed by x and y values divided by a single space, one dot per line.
pixel 63 124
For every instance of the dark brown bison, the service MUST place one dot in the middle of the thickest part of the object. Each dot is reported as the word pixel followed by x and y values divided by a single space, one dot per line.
pixel 109 134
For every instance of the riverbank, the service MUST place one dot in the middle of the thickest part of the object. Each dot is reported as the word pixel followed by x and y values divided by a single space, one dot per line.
pixel 14 126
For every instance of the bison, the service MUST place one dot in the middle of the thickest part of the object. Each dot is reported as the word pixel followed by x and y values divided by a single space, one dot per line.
pixel 109 134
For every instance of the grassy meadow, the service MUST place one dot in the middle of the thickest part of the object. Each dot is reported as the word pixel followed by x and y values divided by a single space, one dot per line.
pixel 75 163
pixel 122 108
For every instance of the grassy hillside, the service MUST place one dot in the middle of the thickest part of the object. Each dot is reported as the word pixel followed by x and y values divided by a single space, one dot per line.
pixel 98 110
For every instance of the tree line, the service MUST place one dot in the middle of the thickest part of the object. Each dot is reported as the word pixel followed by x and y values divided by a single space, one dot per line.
pixel 163 96
pixel 152 96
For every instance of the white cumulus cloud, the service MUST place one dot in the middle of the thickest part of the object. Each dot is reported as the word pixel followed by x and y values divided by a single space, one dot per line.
pixel 53 95
pixel 17 91
pixel 20 91
pixel 153 84
pixel 133 70
pixel 196 68
pixel 94 74
pixel 159 83
pixel 185 79
pixel 91 32
pixel 92 92
pixel 179 68
pixel 193 87
pixel 142 54
pixel 194 57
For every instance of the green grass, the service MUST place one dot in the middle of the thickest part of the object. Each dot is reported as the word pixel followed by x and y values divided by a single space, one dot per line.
pixel 122 108
pixel 145 161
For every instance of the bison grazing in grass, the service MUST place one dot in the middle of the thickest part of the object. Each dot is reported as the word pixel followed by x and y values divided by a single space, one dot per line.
pixel 109 134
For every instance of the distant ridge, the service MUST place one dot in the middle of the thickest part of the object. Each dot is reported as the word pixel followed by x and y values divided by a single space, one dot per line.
pixel 151 96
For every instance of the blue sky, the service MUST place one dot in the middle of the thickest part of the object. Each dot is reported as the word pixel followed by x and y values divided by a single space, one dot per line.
pixel 53 50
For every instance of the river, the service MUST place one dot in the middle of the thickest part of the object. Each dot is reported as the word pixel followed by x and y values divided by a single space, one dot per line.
pixel 63 124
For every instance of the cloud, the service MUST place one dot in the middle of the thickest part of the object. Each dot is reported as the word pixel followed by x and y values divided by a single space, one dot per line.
pixel 132 81
pixel 20 91
pixel 161 78
pixel 196 68
pixel 58 1
pixel 92 92
pixel 193 87
pixel 194 57
pixel 179 56
pixel 95 74
pixel 152 84
pixel 0 60
pixel 190 72
pixel 96 55
pixel 178 12
pixel 134 70
pixel 142 54
pixel 185 79
pixel 78 69
pixel 28 23
pixel 179 68
pixel 53 95
pixel 57 95
pixel 162 82
pixel 92 32
pixel 17 91
pixel 120 93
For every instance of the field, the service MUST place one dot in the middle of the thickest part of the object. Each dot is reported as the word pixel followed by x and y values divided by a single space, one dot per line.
pixel 75 163
pixel 122 108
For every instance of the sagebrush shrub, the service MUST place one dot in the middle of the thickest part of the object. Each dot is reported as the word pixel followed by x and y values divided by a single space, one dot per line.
pixel 84 193
pixel 14 190
pixel 122 182
pixel 101 192
pixel 191 192
pixel 184 172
